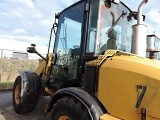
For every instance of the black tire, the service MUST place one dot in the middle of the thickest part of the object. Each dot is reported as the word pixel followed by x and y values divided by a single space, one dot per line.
pixel 17 99
pixel 69 108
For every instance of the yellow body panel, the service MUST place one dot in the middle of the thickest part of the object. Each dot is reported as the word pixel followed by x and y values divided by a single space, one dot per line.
pixel 108 117
pixel 41 66
pixel 44 68
pixel 119 77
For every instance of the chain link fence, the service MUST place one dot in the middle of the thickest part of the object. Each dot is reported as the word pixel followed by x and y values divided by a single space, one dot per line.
pixel 11 62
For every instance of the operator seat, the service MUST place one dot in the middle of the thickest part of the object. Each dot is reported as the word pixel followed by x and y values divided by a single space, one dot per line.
pixel 111 42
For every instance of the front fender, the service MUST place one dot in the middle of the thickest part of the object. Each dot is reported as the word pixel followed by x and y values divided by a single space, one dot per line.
pixel 94 106
pixel 30 87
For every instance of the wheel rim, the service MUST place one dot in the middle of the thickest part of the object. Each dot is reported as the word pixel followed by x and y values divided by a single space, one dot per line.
pixel 18 94
pixel 64 118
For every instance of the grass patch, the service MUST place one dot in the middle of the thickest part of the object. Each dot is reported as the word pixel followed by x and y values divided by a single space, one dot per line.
pixel 9 70
pixel 6 85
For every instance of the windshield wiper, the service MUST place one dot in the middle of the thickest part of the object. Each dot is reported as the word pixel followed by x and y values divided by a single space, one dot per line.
pixel 115 23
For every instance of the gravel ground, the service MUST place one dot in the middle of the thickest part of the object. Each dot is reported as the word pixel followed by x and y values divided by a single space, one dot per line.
pixel 7 111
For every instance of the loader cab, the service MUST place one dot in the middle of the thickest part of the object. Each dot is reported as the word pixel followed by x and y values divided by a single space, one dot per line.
pixel 153 47
pixel 85 30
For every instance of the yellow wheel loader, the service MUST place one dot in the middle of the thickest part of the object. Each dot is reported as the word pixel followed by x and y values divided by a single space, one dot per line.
pixel 98 69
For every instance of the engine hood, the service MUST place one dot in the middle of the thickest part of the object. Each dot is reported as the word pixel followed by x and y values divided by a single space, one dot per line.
pixel 127 84
pixel 136 64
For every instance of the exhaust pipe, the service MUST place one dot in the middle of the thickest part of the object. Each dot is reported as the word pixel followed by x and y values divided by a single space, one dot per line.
pixel 139 33
pixel 139 14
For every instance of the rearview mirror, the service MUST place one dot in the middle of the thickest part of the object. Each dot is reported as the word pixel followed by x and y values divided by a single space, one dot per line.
pixel 30 49
pixel 33 50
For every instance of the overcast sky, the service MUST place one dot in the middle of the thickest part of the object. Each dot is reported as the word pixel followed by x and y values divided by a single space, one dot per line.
pixel 23 22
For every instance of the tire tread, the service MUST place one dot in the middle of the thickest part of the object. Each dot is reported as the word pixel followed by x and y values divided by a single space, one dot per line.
pixel 74 105
pixel 19 109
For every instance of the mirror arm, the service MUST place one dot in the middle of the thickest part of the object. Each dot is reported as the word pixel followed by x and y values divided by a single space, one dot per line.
pixel 40 55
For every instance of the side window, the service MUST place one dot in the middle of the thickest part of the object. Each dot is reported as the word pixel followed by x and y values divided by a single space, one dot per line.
pixel 105 37
pixel 97 36
pixel 70 36
pixel 67 44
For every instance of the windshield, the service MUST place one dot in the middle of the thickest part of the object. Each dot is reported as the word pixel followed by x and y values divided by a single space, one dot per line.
pixel 113 29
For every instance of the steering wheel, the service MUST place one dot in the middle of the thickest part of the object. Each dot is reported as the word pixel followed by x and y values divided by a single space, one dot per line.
pixel 62 60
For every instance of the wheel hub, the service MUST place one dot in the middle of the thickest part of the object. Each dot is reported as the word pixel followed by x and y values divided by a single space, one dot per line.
pixel 64 118
pixel 17 94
